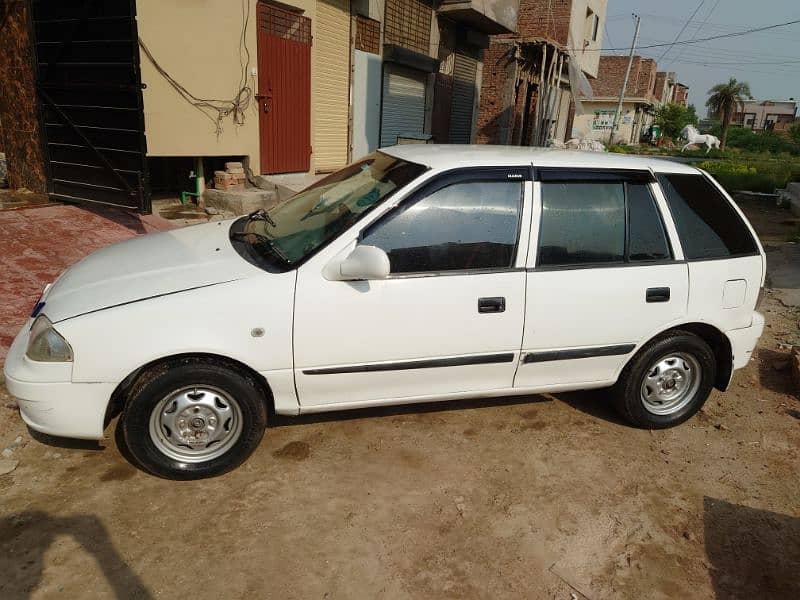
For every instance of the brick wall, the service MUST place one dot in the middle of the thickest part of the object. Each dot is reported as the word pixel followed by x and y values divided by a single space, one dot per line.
pixel 611 74
pixel 661 82
pixel 647 78
pixel 494 118
pixel 545 18
pixel 680 95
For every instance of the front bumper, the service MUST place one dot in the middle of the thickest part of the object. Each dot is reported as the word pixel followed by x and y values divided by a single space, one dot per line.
pixel 75 410
pixel 743 341
pixel 48 401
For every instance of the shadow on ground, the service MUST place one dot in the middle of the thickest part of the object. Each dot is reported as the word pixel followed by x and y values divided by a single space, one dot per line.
pixel 403 409
pixel 25 538
pixel 753 553
pixel 595 403
pixel 774 372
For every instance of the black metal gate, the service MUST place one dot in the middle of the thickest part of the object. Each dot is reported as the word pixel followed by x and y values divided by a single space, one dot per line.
pixel 90 98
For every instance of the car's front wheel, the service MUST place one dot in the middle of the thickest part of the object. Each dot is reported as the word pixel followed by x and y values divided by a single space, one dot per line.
pixel 193 418
pixel 666 382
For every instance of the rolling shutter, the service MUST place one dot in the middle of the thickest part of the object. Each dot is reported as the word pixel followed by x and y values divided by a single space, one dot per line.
pixel 465 70
pixel 403 109
pixel 331 110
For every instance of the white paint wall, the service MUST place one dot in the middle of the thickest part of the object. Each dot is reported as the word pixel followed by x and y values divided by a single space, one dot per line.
pixel 367 70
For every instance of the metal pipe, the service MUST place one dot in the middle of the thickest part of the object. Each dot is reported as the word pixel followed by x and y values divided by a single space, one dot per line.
pixel 199 181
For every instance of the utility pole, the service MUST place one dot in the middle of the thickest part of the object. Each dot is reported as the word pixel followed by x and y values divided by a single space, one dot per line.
pixel 625 83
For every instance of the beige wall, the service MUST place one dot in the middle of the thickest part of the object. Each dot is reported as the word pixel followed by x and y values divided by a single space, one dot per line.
pixel 588 54
pixel 590 124
pixel 196 41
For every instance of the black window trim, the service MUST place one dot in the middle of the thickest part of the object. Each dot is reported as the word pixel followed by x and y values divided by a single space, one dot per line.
pixel 592 175
pixel 589 175
pixel 520 173
pixel 727 200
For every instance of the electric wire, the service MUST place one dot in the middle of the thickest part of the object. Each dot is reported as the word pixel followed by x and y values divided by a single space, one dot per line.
pixel 217 110
pixel 680 33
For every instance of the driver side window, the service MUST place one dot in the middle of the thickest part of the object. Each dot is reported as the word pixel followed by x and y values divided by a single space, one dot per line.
pixel 465 225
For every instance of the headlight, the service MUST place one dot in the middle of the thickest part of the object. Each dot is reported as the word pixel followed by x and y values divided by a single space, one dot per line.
pixel 45 344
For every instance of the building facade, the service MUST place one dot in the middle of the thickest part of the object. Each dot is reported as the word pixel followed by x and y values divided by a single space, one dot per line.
pixel 643 94
pixel 528 76
pixel 680 94
pixel 142 92
pixel 766 115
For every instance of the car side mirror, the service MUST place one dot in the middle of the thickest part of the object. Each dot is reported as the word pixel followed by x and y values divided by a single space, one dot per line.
pixel 363 263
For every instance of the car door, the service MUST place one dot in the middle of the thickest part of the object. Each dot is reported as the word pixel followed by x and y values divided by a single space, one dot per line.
pixel 447 320
pixel 603 275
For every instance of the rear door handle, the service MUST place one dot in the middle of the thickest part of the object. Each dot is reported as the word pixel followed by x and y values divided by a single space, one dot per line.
pixel 657 294
pixel 492 305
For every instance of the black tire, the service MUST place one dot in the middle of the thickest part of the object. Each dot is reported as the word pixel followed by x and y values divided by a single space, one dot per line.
pixel 628 395
pixel 236 389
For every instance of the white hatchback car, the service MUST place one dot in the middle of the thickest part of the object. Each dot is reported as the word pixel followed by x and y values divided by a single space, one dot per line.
pixel 418 273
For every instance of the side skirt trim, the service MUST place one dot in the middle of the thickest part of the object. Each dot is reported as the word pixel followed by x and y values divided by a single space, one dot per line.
pixel 461 361
pixel 534 357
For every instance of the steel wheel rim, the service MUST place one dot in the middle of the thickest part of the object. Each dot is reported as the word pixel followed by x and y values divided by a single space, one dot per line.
pixel 195 424
pixel 670 383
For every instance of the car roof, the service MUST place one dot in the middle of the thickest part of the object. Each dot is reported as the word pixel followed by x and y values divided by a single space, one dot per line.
pixel 449 156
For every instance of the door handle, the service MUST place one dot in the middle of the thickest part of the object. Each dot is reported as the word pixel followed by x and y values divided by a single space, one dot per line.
pixel 657 294
pixel 492 305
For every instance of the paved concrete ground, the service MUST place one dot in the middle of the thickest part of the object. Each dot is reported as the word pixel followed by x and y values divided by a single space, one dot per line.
pixel 538 497
pixel 36 244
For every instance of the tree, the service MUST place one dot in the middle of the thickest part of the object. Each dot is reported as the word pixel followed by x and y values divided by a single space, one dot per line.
pixel 672 118
pixel 724 99
pixel 794 132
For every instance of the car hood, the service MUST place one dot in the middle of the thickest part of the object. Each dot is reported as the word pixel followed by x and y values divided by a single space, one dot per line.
pixel 147 266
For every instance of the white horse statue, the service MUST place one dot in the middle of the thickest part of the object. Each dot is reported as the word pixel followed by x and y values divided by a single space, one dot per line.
pixel 693 136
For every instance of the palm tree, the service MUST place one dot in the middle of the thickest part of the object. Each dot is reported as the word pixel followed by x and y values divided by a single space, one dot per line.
pixel 724 99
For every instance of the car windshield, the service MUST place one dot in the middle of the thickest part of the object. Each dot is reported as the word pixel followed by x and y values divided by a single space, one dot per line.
pixel 297 227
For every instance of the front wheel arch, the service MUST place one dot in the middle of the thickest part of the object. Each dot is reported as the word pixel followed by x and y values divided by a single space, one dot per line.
pixel 120 396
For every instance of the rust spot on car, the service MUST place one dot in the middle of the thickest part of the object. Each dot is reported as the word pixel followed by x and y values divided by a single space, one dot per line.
pixel 294 451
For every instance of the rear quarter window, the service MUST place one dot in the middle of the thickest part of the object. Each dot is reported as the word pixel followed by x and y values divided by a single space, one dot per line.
pixel 707 223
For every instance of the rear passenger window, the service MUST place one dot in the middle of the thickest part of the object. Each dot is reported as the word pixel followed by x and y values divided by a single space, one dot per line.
pixel 582 223
pixel 585 223
pixel 707 224
pixel 647 238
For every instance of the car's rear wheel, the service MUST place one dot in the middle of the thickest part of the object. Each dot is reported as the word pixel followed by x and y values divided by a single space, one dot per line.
pixel 192 419
pixel 667 382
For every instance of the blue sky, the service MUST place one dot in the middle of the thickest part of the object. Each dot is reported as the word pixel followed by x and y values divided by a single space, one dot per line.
pixel 768 61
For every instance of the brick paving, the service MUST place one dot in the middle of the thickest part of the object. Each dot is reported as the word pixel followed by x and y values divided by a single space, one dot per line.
pixel 36 244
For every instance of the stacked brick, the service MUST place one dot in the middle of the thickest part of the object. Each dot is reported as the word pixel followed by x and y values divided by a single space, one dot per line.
pixel 232 178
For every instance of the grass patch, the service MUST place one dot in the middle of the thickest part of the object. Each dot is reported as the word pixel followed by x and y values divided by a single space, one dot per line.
pixel 735 169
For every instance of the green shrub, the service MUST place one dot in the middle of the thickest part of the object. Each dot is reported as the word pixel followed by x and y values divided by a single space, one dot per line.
pixel 620 149
pixel 727 167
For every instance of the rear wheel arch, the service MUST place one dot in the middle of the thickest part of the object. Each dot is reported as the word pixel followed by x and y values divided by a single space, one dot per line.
pixel 717 341
pixel 123 390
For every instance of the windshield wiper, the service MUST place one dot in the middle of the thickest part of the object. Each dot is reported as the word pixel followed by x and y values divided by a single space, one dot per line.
pixel 261 215
pixel 261 239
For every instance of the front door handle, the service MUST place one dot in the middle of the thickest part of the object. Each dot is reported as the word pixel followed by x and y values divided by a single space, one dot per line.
pixel 492 305
pixel 657 294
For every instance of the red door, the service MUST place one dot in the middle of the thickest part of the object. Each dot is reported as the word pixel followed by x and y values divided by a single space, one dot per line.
pixel 284 90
